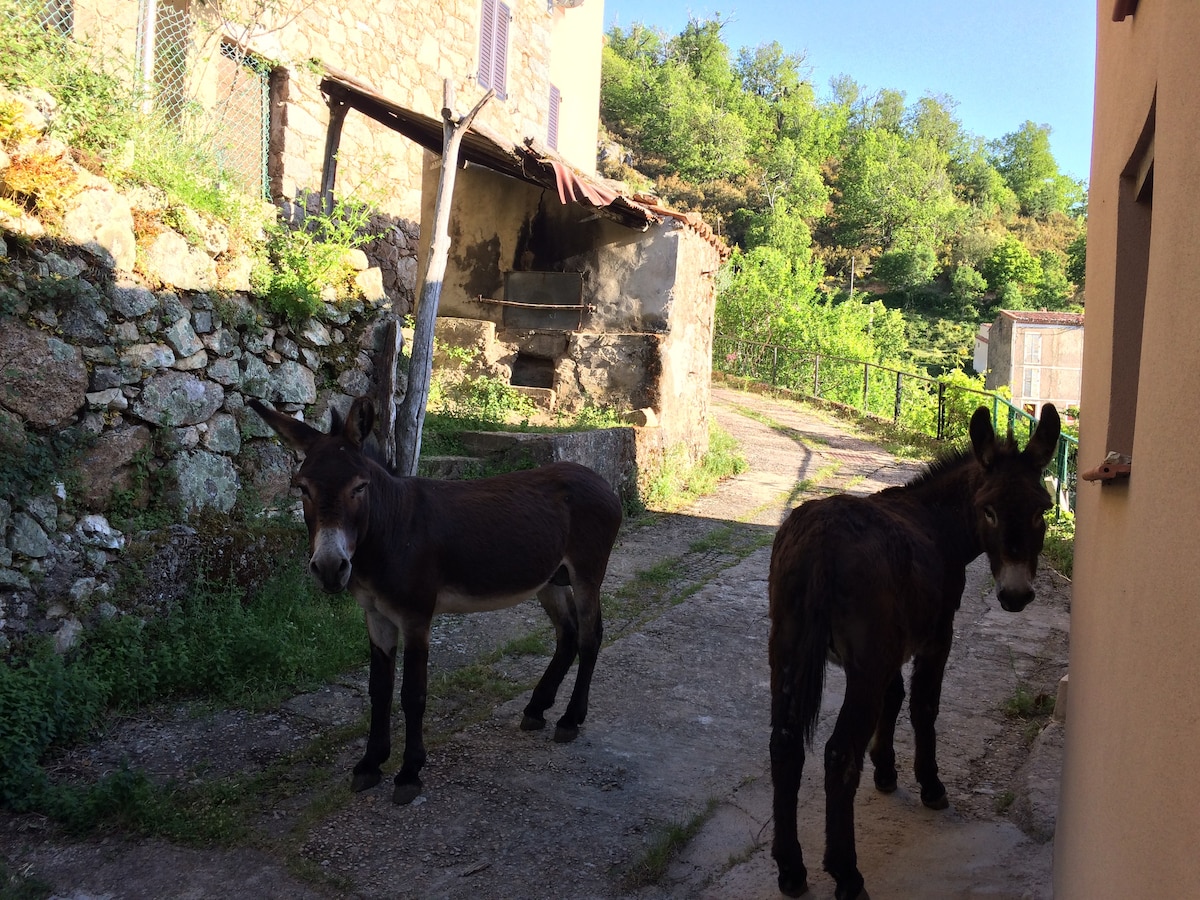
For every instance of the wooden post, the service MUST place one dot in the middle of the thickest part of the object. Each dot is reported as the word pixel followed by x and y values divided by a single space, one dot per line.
pixel 412 412
pixel 333 139
pixel 385 400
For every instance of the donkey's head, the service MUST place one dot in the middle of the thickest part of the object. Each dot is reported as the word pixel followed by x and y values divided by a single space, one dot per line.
pixel 1011 501
pixel 333 482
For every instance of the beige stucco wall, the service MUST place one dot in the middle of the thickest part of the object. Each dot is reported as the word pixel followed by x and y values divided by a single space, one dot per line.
pixel 1060 367
pixel 1129 819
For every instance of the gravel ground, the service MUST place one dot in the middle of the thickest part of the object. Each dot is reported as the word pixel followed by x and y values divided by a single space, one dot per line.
pixel 677 735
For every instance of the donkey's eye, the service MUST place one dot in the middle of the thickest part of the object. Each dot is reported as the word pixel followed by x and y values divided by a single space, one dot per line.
pixel 359 489
pixel 989 513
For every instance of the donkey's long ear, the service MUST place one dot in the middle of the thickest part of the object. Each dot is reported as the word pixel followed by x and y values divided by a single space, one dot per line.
pixel 296 434
pixel 359 421
pixel 983 438
pixel 1044 442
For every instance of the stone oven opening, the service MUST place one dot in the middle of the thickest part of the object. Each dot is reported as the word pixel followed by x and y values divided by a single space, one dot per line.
pixel 532 371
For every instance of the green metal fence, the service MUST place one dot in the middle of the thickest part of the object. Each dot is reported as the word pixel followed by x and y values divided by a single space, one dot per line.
pixel 938 408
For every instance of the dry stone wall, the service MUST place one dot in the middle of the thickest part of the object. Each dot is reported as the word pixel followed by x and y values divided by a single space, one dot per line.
pixel 152 385
pixel 139 350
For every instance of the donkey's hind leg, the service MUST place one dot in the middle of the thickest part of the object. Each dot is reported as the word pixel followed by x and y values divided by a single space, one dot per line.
pixel 883 752
pixel 787 766
pixel 844 754
pixel 586 597
pixel 558 603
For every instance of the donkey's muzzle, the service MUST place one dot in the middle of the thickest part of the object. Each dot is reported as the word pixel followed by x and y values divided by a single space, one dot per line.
pixel 1014 601
pixel 333 574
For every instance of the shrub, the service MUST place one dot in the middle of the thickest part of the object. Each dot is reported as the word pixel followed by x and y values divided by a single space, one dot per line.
pixel 299 263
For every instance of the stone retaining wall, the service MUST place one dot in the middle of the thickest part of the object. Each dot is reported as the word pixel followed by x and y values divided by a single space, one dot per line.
pixel 153 384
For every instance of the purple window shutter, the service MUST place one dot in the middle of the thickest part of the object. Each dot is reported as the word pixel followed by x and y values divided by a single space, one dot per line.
pixel 487 42
pixel 500 55
pixel 552 130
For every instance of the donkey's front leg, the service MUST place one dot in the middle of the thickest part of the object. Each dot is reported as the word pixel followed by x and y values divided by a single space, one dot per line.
pixel 923 705
pixel 380 686
pixel 413 686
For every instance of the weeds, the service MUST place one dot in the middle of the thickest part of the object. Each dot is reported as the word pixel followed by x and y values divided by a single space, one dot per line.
pixel 300 263
pixel 1059 546
pixel 219 644
pixel 671 839
pixel 676 482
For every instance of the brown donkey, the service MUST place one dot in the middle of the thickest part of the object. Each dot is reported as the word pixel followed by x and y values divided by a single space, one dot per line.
pixel 408 548
pixel 870 582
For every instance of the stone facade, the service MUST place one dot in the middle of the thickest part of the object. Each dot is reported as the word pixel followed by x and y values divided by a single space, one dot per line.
pixel 406 51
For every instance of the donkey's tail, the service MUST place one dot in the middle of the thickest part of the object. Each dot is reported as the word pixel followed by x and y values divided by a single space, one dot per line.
pixel 800 639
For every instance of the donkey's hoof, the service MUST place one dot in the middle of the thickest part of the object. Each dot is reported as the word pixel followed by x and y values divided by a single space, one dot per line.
pixel 885 782
pixel 532 723
pixel 361 781
pixel 935 798
pixel 564 734
pixel 792 884
pixel 406 793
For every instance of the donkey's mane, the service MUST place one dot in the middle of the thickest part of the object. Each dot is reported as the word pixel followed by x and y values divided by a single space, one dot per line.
pixel 954 460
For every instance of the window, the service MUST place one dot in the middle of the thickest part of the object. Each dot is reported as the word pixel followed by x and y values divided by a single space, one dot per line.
pixel 1033 349
pixel 493 47
pixel 552 129
pixel 1135 214
pixel 1031 384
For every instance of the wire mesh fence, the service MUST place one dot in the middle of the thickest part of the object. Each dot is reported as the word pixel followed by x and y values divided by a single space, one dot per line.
pixel 211 91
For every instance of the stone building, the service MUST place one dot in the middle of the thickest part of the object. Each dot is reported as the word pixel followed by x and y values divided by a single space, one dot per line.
pixel 345 100
pixel 1038 355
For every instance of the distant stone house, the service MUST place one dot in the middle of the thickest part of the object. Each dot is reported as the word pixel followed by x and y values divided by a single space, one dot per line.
pixel 286 85
pixel 1037 355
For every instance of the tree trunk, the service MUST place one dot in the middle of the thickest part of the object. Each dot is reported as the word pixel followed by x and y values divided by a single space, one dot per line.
pixel 412 412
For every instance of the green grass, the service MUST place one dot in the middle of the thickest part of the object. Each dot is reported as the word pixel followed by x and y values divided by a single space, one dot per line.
pixel 650 868
pixel 16 885
pixel 220 645
pixel 676 482
pixel 1059 547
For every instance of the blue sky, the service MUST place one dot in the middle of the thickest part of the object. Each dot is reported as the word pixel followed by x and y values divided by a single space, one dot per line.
pixel 1003 62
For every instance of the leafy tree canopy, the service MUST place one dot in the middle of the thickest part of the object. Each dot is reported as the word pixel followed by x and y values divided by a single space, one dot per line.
pixel 946 224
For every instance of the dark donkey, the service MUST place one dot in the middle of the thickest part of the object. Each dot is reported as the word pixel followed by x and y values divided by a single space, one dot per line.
pixel 870 582
pixel 408 548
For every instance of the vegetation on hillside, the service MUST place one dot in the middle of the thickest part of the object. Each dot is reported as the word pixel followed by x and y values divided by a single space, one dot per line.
pixel 935 227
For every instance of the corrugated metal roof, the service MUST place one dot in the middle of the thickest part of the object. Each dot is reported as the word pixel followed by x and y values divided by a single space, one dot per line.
pixel 1042 317
pixel 529 162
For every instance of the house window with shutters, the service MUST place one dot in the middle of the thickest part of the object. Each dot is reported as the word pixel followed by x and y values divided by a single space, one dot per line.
pixel 1031 385
pixel 1033 349
pixel 552 128
pixel 493 47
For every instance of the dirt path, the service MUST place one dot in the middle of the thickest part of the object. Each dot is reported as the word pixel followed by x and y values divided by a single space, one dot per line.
pixel 676 736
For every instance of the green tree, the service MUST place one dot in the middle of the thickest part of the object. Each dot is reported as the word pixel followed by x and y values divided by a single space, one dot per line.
pixel 1077 259
pixel 906 270
pixel 1024 159
pixel 1053 289
pixel 895 194
pixel 966 284
pixel 1011 263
